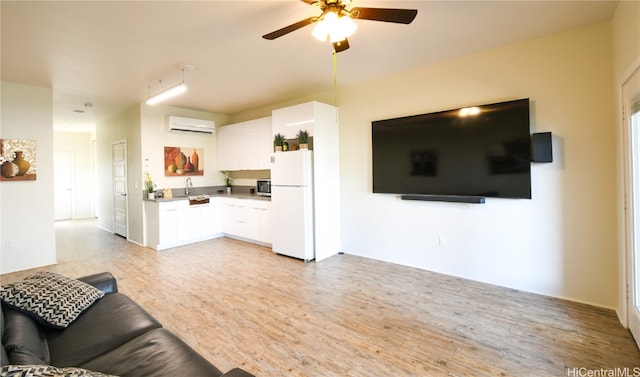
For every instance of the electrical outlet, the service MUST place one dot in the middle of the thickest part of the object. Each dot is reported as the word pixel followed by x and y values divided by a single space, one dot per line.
pixel 442 241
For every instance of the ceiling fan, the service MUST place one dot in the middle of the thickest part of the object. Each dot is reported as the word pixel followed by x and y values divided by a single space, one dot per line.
pixel 335 23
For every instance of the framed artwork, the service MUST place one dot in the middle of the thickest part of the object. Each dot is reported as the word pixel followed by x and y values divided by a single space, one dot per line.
pixel 179 161
pixel 18 160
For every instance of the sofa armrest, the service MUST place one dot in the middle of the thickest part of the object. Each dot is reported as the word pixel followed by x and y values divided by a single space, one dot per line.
pixel 237 372
pixel 104 281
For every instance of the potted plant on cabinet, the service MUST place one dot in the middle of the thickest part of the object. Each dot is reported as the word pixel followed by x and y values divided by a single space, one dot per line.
pixel 278 142
pixel 303 139
pixel 227 181
pixel 148 184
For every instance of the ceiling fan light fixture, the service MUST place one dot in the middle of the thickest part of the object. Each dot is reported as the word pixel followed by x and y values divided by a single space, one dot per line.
pixel 334 28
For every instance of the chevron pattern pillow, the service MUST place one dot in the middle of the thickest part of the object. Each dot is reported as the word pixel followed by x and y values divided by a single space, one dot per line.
pixel 46 371
pixel 55 299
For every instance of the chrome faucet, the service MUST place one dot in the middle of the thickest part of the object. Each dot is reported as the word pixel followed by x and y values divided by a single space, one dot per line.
pixel 189 186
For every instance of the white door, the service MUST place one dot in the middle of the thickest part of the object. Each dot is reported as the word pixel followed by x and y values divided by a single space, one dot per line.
pixel 119 173
pixel 63 185
pixel 631 122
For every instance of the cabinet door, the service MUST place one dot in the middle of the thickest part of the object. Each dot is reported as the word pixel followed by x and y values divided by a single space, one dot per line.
pixel 168 223
pixel 189 221
pixel 225 148
pixel 263 221
pixel 230 217
pixel 264 147
pixel 289 120
pixel 245 145
pixel 211 215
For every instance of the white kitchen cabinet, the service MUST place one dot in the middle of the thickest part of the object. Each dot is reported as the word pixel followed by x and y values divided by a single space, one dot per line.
pixel 289 120
pixel 246 219
pixel 245 146
pixel 175 223
pixel 168 223
pixel 211 217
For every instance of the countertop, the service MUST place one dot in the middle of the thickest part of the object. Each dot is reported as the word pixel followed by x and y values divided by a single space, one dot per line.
pixel 222 195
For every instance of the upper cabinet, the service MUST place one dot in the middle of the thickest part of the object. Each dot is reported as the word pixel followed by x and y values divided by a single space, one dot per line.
pixel 245 146
pixel 289 120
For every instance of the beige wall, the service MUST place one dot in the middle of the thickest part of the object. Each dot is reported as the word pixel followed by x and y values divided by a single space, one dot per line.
pixel 27 237
pixel 156 137
pixel 122 126
pixel 626 56
pixel 626 36
pixel 562 242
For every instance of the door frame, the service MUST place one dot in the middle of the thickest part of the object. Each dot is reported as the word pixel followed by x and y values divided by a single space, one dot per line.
pixel 126 201
pixel 627 236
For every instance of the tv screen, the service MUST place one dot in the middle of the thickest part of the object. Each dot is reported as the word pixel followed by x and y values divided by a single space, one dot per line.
pixel 475 151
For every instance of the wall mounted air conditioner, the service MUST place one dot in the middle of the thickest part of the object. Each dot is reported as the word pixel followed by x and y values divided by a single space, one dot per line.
pixel 175 123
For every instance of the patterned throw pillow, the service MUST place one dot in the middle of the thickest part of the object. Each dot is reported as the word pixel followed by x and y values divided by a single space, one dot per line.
pixel 55 299
pixel 46 371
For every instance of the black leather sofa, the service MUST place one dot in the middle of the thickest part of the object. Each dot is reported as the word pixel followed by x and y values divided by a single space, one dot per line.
pixel 114 336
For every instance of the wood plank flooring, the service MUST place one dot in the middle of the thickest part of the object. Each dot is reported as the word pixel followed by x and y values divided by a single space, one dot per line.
pixel 242 305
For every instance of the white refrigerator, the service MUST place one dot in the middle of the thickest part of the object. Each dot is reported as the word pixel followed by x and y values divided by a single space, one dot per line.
pixel 292 204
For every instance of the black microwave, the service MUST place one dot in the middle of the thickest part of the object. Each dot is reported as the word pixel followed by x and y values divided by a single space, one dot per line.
pixel 263 187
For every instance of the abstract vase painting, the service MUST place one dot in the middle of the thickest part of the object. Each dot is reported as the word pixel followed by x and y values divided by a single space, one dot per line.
pixel 17 160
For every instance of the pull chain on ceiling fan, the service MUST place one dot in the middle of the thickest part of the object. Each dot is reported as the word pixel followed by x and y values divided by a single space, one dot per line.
pixel 336 23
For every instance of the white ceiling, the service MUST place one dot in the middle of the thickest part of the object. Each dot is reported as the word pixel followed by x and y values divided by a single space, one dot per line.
pixel 108 53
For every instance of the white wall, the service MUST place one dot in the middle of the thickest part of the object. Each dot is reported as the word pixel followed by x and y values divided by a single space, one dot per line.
pixel 27 238
pixel 80 145
pixel 562 242
pixel 156 137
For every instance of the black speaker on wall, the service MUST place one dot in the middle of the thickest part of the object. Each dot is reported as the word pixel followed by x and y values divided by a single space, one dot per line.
pixel 541 150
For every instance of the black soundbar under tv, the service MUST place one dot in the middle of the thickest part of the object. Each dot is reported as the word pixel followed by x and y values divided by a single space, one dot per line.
pixel 444 198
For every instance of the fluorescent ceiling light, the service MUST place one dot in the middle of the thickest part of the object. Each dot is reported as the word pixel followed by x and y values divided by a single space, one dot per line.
pixel 168 93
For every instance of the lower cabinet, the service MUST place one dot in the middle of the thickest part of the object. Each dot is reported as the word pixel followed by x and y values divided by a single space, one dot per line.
pixel 247 219
pixel 175 223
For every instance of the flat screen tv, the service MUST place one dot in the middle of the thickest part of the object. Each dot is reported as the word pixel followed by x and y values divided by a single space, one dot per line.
pixel 480 151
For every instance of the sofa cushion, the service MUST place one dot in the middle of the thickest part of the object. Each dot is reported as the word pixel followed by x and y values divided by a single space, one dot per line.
pixel 46 371
pixel 104 281
pixel 4 359
pixel 157 353
pixel 55 299
pixel 110 322
pixel 24 341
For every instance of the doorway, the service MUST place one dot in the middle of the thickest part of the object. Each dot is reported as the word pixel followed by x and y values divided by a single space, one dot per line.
pixel 630 99
pixel 63 185
pixel 119 175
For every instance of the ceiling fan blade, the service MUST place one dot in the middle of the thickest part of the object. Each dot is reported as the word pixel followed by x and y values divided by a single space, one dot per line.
pixel 288 29
pixel 341 45
pixel 399 16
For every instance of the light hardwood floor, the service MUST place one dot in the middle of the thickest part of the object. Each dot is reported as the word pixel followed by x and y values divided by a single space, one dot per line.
pixel 241 305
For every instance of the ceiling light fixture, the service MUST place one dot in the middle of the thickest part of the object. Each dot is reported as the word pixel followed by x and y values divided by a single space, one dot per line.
pixel 167 93
pixel 333 26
